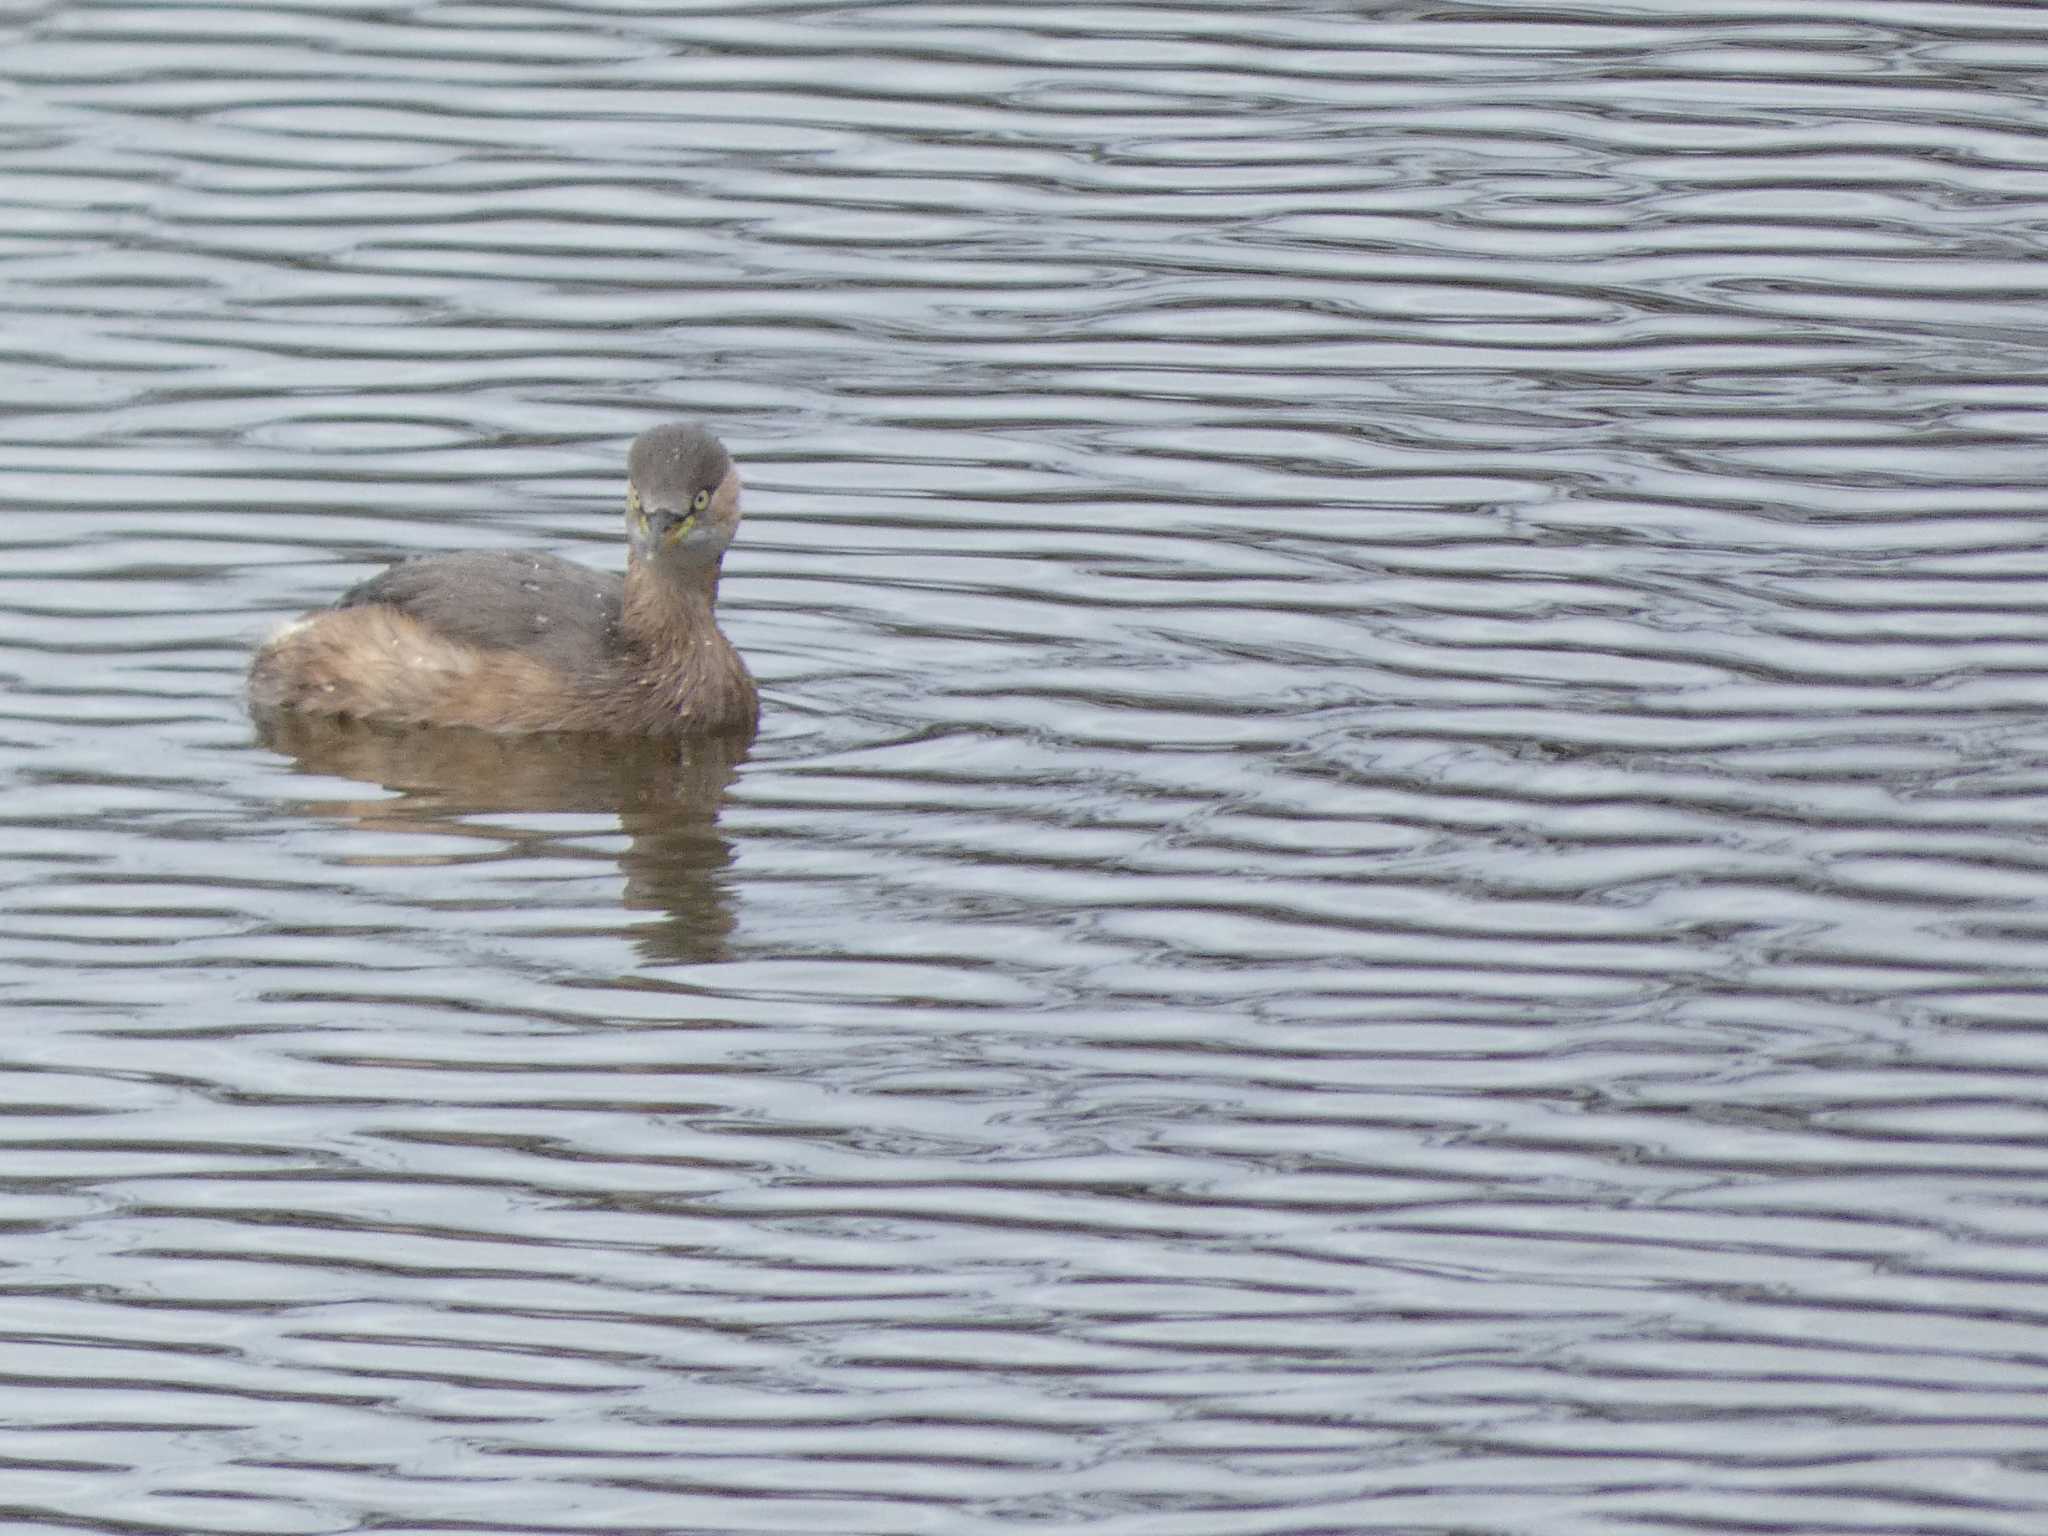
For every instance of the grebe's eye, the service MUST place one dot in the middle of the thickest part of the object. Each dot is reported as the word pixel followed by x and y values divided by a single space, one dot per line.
pixel 633 506
pixel 700 501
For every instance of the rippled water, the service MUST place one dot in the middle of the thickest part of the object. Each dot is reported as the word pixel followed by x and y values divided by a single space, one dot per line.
pixel 1397 873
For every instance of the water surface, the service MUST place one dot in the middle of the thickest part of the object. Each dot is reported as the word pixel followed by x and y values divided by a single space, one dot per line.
pixel 1395 875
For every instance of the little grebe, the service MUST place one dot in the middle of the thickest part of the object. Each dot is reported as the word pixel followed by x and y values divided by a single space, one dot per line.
pixel 517 642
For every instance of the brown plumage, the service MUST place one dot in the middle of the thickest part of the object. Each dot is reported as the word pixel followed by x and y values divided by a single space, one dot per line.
pixel 523 643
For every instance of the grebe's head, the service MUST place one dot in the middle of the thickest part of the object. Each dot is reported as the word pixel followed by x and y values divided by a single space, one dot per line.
pixel 682 498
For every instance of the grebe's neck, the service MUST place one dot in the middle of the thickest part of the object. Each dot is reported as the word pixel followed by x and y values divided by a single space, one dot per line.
pixel 678 672
pixel 664 611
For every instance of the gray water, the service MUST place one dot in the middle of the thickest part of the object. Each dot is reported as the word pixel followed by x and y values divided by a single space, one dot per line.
pixel 1397 874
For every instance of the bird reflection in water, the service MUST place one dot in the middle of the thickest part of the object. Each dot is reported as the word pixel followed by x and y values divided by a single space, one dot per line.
pixel 665 795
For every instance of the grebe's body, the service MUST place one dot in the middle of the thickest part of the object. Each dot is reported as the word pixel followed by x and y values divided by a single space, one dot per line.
pixel 525 643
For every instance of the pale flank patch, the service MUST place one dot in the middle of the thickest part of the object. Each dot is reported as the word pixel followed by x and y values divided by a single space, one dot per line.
pixel 286 630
